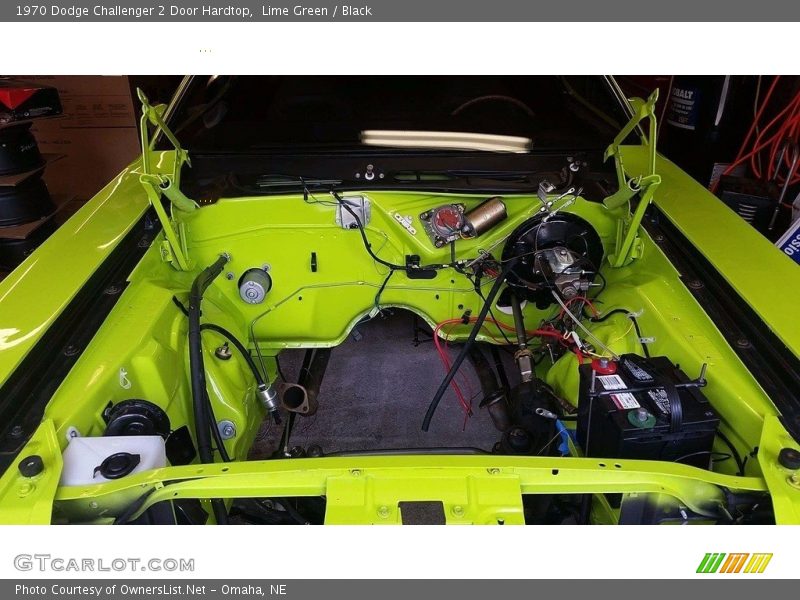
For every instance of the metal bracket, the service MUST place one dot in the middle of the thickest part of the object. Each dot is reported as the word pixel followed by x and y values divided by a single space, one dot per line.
pixel 156 185
pixel 361 208
pixel 629 246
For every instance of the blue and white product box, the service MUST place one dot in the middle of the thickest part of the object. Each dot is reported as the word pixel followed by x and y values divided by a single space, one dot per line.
pixel 790 242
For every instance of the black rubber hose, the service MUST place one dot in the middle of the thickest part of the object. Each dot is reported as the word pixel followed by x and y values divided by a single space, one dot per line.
pixel 261 381
pixel 257 374
pixel 196 367
pixel 426 423
pixel 200 402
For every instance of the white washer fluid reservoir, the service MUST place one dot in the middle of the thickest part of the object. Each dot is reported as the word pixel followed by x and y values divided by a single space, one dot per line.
pixel 89 460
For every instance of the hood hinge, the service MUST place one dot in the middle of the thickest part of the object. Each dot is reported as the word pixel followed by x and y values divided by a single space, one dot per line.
pixel 157 185
pixel 628 243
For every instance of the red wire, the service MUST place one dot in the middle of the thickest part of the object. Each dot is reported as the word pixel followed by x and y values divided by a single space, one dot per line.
pixel 446 364
pixel 756 119
pixel 785 125
pixel 581 298
pixel 776 140
pixel 465 404
pixel 579 355
pixel 739 157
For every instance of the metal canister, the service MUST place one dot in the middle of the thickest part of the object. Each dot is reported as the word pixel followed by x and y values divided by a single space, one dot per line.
pixel 484 216
pixel 254 286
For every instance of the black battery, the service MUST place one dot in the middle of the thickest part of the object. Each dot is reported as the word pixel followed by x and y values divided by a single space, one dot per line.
pixel 645 411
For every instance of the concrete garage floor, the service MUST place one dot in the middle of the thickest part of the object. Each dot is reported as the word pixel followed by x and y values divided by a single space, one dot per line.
pixel 375 394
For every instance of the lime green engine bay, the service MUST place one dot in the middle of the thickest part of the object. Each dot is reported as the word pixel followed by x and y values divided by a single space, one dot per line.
pixel 324 283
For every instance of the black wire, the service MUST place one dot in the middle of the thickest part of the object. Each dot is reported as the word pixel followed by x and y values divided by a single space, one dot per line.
pixel 724 455
pixel 603 287
pixel 292 511
pixel 691 455
pixel 383 287
pixel 629 314
pixel 307 193
pixel 212 424
pixel 180 306
pixel 616 311
pixel 133 507
pixel 465 349
pixel 259 377
pixel 364 238
pixel 645 350
pixel 476 284
pixel 496 322
pixel 280 371
pixel 736 456
pixel 209 408
pixel 218 505
pixel 368 246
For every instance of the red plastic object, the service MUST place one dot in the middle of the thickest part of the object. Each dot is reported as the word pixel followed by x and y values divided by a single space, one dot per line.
pixel 609 368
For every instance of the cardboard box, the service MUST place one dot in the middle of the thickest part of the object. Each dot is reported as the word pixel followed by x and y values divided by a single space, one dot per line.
pixel 97 135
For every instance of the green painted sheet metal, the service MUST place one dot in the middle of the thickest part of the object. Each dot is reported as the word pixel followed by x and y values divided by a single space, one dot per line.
pixel 35 293
pixel 473 489
pixel 29 500
pixel 766 278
